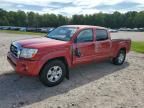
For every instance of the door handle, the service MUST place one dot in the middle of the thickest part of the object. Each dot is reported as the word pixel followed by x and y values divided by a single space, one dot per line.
pixel 98 45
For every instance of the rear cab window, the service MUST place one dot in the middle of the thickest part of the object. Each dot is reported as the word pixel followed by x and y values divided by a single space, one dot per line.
pixel 101 34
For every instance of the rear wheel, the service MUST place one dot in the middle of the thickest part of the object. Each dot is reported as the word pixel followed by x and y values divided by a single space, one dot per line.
pixel 53 73
pixel 119 60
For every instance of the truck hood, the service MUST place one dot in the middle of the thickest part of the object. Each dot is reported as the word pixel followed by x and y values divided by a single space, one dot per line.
pixel 40 42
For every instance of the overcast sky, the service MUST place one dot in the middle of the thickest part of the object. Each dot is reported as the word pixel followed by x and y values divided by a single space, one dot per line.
pixel 70 7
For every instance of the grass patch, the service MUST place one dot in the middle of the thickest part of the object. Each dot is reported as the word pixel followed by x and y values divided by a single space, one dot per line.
pixel 21 32
pixel 138 46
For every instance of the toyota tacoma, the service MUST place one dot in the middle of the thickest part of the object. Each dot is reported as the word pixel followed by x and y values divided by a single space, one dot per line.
pixel 50 57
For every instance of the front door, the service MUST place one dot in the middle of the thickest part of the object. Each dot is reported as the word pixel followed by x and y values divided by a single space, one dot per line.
pixel 84 47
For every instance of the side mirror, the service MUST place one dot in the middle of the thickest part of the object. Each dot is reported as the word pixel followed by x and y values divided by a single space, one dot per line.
pixel 77 52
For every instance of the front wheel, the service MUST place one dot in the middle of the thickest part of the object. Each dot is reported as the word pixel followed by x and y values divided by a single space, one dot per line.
pixel 119 60
pixel 53 73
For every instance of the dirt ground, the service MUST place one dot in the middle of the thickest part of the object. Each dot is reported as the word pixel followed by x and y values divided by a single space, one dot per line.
pixel 101 85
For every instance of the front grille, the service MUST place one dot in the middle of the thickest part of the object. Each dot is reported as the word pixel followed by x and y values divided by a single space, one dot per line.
pixel 14 50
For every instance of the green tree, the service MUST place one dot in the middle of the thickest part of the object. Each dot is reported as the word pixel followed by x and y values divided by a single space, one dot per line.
pixel 130 19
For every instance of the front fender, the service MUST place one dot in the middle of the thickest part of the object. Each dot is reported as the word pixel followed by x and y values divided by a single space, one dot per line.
pixel 57 54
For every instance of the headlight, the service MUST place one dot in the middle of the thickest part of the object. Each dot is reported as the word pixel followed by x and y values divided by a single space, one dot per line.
pixel 28 53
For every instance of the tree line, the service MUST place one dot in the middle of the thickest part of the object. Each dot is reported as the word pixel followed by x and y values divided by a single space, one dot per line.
pixel 131 19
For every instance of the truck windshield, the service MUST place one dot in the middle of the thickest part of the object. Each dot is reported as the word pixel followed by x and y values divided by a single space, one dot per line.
pixel 62 33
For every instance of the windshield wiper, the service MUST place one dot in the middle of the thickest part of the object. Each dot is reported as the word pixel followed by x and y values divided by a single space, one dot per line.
pixel 56 38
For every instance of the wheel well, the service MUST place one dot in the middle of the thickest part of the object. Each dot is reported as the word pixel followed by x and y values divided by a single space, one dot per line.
pixel 123 49
pixel 61 59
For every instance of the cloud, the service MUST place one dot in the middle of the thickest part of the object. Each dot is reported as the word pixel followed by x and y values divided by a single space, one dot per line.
pixel 122 7
pixel 16 6
pixel 70 7
pixel 61 5
pixel 118 6
pixel 29 7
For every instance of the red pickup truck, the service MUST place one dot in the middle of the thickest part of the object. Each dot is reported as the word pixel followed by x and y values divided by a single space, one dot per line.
pixel 52 56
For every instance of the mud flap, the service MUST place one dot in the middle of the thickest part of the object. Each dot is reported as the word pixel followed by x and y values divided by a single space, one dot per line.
pixel 67 74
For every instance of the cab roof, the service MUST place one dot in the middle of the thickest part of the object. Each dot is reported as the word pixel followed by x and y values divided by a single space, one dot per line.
pixel 84 26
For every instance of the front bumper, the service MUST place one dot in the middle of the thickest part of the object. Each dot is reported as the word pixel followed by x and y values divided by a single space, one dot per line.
pixel 24 67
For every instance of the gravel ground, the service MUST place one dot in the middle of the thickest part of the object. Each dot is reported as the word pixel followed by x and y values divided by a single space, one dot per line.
pixel 101 85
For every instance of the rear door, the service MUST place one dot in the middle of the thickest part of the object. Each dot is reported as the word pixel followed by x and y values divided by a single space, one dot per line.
pixel 84 47
pixel 102 44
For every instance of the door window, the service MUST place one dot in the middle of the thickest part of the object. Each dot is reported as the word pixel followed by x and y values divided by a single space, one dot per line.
pixel 85 36
pixel 101 35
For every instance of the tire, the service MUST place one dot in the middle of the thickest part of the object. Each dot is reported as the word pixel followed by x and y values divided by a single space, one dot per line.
pixel 120 58
pixel 53 73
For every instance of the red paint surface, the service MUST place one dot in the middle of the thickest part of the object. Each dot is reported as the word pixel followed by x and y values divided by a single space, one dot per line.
pixel 51 49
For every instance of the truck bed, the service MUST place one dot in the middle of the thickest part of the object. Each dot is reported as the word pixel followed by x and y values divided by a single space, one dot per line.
pixel 120 43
